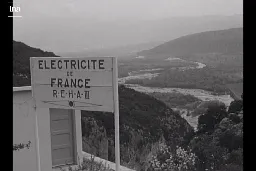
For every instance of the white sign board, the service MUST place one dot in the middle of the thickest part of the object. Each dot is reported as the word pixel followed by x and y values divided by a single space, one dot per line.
pixel 74 83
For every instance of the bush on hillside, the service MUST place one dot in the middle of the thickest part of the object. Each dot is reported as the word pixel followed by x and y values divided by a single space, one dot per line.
pixel 235 106
pixel 213 116
pixel 234 118
pixel 209 154
pixel 231 167
pixel 219 143
pixel 178 160
pixel 203 106
pixel 230 140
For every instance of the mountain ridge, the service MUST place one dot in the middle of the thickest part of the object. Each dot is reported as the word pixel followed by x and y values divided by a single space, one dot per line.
pixel 21 62
pixel 218 41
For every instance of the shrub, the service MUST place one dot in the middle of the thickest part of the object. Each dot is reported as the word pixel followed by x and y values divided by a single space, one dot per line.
pixel 236 157
pixel 231 167
pixel 179 160
pixel 235 106
pixel 230 140
pixel 234 118
pixel 212 117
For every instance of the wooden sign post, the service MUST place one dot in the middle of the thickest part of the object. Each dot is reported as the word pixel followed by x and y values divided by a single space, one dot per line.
pixel 77 83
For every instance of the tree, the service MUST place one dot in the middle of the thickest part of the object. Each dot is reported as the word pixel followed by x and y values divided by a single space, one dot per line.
pixel 210 154
pixel 235 106
pixel 213 116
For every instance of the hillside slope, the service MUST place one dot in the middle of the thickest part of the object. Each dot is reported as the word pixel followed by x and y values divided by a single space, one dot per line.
pixel 21 64
pixel 144 121
pixel 221 41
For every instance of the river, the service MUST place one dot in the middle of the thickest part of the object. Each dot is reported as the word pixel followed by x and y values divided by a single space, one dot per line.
pixel 198 93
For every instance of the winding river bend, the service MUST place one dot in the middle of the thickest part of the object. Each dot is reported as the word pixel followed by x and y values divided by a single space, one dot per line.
pixel 198 93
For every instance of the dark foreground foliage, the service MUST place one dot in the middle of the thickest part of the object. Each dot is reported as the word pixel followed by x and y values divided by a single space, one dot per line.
pixel 143 122
pixel 218 144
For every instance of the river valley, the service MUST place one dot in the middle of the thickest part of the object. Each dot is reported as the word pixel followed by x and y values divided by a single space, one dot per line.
pixel 198 93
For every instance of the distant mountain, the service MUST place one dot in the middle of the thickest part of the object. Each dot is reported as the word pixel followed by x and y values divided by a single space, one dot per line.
pixel 21 64
pixel 221 41
pixel 120 51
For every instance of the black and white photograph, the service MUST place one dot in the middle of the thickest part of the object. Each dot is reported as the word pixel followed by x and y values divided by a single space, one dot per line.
pixel 127 85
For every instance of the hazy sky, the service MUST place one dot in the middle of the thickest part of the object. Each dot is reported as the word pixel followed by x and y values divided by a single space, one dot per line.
pixel 47 12
pixel 130 9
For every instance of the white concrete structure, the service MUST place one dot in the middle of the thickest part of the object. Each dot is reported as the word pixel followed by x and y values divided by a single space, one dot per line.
pixel 57 141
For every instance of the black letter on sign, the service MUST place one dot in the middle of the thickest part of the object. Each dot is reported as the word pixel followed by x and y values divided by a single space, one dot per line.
pixel 78 83
pixel 66 61
pixel 52 81
pixel 40 63
pixel 93 61
pixel 86 82
pixel 62 93
pixel 73 83
pixel 86 94
pixel 45 65
pixel 53 64
pixel 101 61
pixel 66 83
pixel 78 94
pixel 83 66
pixel 59 66
pixel 73 64
pixel 70 93
pixel 59 82
pixel 54 93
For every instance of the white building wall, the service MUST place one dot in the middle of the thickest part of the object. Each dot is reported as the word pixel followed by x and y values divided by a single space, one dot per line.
pixel 24 131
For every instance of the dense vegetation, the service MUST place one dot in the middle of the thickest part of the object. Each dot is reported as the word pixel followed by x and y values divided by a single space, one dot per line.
pixel 143 122
pixel 212 79
pixel 216 146
pixel 177 100
pixel 219 140
pixel 21 62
